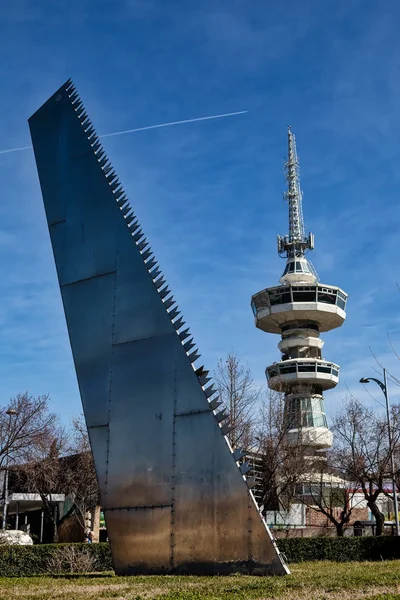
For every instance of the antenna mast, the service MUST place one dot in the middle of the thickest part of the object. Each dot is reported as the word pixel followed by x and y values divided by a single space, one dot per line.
pixel 296 244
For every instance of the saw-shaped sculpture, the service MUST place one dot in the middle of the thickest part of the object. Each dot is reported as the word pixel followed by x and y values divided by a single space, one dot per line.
pixel 175 496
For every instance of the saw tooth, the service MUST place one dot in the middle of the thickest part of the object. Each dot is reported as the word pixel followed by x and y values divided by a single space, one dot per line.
pixel 90 131
pixel 203 380
pixel 238 454
pixel 164 291
pixel 129 218
pixel 169 302
pixel 122 205
pixel 251 482
pixel 227 428
pixel 245 467
pixel 111 174
pixel 147 253
pixel 185 334
pixel 114 184
pixel 136 236
pixel 179 323
pixel 142 245
pixel 210 391
pixel 151 263
pixel 222 415
pixel 121 201
pixel 200 371
pixel 86 123
pixel 78 105
pixel 103 162
pixel 68 85
pixel 74 96
pixel 174 313
pixel 193 356
pixel 189 345
pixel 96 145
pixel 83 116
pixel 159 282
pixel 118 193
pixel 125 210
pixel 214 404
pixel 134 226
pixel 156 273
pixel 107 166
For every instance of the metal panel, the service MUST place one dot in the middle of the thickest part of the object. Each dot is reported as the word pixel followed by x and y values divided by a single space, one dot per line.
pixel 216 519
pixel 140 539
pixel 90 325
pixel 141 423
pixel 175 499
pixel 99 441
pixel 139 312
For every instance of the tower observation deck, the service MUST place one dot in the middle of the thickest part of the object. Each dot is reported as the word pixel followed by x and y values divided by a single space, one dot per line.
pixel 299 309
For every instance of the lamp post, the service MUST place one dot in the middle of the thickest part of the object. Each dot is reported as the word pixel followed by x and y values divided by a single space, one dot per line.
pixel 383 386
pixel 11 412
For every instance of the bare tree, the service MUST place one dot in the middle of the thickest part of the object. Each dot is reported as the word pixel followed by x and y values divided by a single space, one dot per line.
pixel 326 490
pixel 24 422
pixel 239 394
pixel 281 464
pixel 44 473
pixel 80 481
pixel 65 465
pixel 364 452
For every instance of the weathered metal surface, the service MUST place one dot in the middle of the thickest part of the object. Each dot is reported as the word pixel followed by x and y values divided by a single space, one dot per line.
pixel 174 497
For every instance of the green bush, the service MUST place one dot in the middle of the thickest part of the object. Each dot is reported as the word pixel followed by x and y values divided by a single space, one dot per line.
pixel 23 561
pixel 20 561
pixel 340 549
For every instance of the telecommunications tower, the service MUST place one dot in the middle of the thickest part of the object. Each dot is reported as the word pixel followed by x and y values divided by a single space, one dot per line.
pixel 299 309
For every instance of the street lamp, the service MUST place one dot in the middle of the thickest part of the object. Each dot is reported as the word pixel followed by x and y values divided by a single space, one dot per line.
pixel 11 412
pixel 383 386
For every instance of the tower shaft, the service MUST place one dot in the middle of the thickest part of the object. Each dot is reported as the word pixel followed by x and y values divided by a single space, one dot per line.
pixel 299 310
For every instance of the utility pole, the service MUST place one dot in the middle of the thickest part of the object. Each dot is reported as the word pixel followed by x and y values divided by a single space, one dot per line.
pixel 384 388
pixel 11 412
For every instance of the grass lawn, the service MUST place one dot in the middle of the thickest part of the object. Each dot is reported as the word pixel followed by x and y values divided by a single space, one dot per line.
pixel 309 581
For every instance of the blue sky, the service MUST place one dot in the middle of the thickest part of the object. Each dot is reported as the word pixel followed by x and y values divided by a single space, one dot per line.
pixel 209 194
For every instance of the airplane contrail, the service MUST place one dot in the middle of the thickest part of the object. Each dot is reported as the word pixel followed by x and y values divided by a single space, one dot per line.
pixel 241 112
pixel 15 149
pixel 232 114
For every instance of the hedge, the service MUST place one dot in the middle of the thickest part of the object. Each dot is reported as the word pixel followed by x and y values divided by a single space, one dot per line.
pixel 23 561
pixel 20 561
pixel 343 549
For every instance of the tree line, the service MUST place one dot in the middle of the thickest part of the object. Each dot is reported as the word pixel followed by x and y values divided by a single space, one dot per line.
pixel 359 461
pixel 38 455
pixel 46 458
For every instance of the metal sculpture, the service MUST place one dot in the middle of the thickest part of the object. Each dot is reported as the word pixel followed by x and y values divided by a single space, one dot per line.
pixel 176 498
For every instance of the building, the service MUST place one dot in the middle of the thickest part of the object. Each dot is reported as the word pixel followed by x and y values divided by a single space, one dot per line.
pixel 38 510
pixel 299 309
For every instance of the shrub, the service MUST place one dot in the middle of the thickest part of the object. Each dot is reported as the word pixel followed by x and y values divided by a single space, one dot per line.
pixel 343 549
pixel 70 559
pixel 21 561
pixel 25 561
